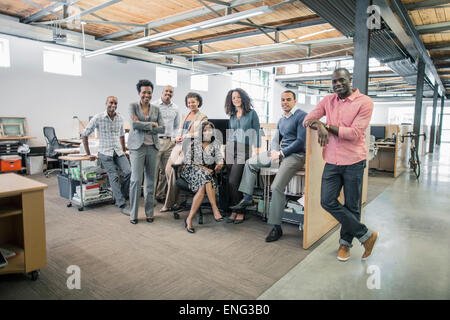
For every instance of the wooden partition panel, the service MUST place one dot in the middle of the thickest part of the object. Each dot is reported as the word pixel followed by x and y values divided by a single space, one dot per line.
pixel 317 222
pixel 366 170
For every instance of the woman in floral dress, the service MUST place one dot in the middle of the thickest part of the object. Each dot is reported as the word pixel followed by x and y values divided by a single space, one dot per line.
pixel 202 159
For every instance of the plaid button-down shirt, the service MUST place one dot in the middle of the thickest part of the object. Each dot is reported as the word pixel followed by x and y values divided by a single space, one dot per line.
pixel 109 132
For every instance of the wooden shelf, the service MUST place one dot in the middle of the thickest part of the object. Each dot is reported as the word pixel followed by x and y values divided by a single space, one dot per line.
pixel 9 210
pixel 15 264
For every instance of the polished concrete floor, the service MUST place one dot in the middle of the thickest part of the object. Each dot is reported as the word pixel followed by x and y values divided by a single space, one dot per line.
pixel 411 258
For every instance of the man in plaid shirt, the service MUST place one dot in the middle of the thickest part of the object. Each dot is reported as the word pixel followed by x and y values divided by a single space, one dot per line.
pixel 111 150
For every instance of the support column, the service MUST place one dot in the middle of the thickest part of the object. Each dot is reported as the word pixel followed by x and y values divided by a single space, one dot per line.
pixel 433 120
pixel 419 96
pixel 441 120
pixel 361 42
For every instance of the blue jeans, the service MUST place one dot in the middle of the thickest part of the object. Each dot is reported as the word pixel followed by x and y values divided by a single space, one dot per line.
pixel 350 177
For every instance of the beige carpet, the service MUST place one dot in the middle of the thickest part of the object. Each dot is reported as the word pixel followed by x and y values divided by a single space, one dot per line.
pixel 160 260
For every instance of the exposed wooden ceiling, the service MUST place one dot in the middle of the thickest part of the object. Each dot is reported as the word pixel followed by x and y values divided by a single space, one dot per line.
pixel 118 21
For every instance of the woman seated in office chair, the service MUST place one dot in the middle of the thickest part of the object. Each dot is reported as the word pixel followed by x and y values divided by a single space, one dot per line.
pixel 190 128
pixel 202 159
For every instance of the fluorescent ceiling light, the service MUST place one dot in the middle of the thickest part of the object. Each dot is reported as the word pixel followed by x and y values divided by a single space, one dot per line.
pixel 309 35
pixel 167 34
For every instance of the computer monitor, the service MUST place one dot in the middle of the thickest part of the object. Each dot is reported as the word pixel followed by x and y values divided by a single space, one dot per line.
pixel 378 131
pixel 222 125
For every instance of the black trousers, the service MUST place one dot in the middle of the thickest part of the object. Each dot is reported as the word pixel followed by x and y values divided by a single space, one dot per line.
pixel 238 153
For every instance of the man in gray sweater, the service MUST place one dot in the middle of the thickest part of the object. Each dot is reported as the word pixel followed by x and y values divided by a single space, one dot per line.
pixel 290 157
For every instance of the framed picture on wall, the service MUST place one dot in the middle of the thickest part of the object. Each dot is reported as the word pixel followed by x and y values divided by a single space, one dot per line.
pixel 12 129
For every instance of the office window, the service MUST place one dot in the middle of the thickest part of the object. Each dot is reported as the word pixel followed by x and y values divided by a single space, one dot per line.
pixel 309 67
pixel 4 53
pixel 301 98
pixel 399 115
pixel 62 61
pixel 199 82
pixel 291 68
pixel 257 84
pixel 348 64
pixel 166 76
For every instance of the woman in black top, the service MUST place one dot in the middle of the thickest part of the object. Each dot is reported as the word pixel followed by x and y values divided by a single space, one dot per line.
pixel 244 122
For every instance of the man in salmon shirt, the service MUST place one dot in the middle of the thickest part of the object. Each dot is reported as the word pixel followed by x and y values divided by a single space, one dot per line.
pixel 343 138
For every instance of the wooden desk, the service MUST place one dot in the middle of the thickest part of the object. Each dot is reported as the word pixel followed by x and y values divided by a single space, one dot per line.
pixel 72 141
pixel 68 151
pixel 8 138
pixel 22 224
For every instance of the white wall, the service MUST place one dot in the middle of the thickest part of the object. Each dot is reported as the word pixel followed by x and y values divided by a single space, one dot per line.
pixel 52 100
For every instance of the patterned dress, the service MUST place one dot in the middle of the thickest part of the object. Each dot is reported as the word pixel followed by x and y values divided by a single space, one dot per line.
pixel 195 156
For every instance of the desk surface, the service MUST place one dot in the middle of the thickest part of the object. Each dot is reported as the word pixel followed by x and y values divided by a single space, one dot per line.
pixel 271 171
pixel 68 150
pixel 75 157
pixel 12 183
pixel 74 141
pixel 385 143
pixel 3 138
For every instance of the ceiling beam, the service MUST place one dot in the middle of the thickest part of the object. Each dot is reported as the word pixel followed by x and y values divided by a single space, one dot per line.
pixel 438 46
pixel 308 23
pixel 175 18
pixel 442 64
pixel 276 47
pixel 433 28
pixel 427 4
pixel 219 2
pixel 114 23
pixel 84 13
pixel 46 11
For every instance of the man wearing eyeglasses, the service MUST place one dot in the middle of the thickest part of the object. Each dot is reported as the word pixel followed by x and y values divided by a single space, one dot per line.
pixel 111 150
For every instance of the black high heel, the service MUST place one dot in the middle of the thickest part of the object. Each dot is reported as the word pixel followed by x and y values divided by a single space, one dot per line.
pixel 187 229
pixel 237 221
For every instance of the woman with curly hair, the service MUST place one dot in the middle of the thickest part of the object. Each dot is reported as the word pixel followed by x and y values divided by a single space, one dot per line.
pixel 245 135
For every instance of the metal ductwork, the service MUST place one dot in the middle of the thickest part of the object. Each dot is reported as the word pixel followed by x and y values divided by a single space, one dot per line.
pixel 341 15
pixel 408 71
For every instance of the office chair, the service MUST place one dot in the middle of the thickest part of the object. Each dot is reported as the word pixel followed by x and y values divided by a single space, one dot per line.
pixel 52 144
pixel 184 187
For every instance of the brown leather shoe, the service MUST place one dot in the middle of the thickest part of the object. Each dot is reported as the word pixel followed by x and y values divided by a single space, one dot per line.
pixel 369 244
pixel 343 253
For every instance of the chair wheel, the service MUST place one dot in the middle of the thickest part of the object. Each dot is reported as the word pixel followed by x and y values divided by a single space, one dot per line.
pixel 80 209
pixel 176 216
pixel 34 275
pixel 69 205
